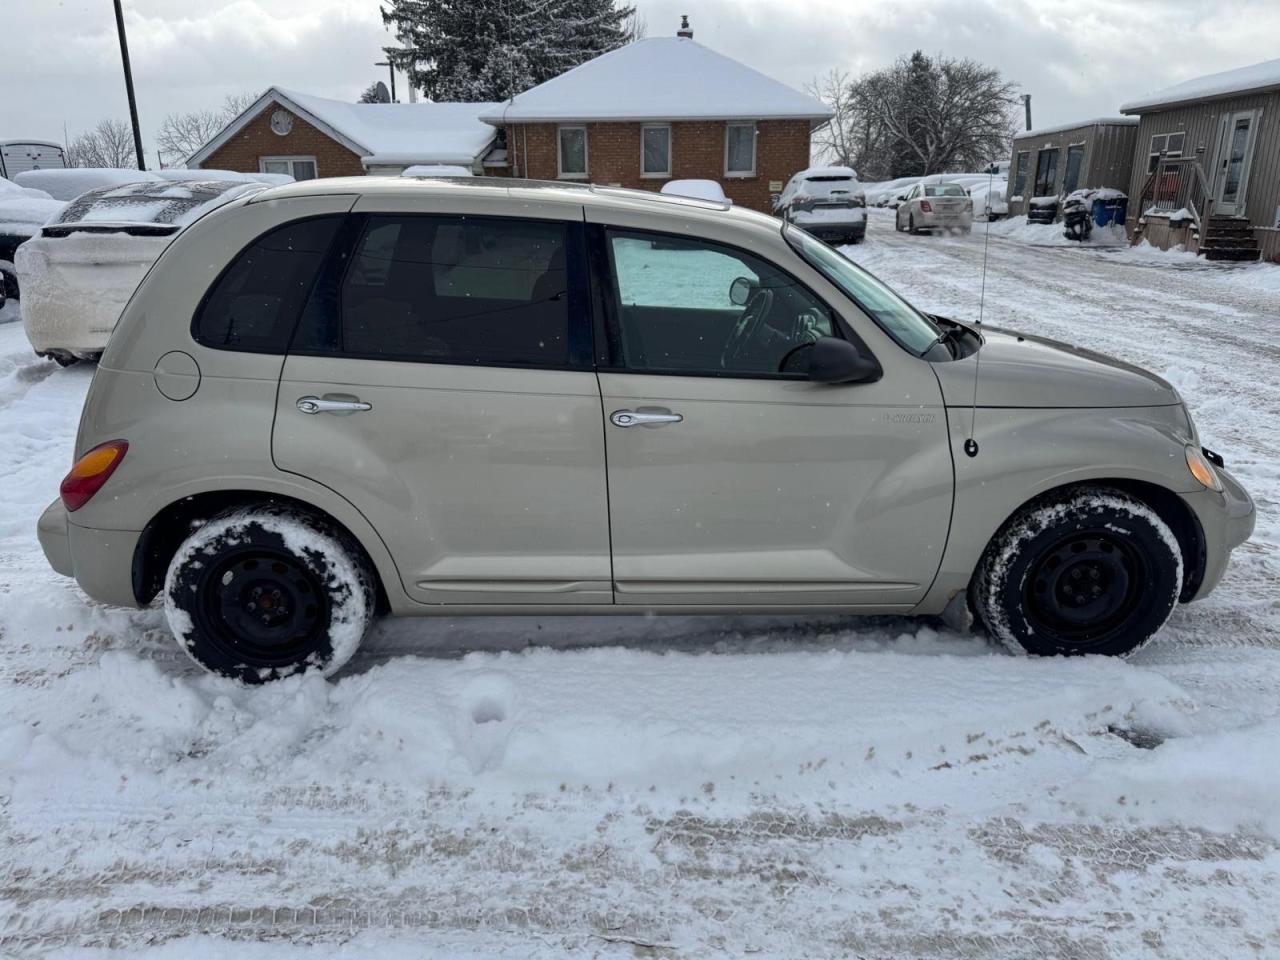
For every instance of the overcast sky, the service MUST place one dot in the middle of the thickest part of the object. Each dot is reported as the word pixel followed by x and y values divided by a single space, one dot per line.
pixel 1079 59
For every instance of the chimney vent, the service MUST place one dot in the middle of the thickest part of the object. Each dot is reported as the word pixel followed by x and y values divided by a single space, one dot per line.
pixel 685 30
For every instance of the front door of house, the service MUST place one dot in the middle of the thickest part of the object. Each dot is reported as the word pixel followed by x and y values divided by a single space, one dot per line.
pixel 1236 136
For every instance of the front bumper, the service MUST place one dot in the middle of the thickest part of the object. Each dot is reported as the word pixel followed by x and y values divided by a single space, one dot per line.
pixel 100 560
pixel 1226 520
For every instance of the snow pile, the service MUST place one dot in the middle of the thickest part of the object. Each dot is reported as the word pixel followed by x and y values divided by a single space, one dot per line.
pixel 436 170
pixel 22 215
pixel 10 189
pixel 182 174
pixel 697 189
pixel 69 183
pixel 1020 230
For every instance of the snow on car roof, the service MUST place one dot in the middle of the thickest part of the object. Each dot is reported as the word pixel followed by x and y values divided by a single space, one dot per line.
pixel 380 133
pixel 154 202
pixel 698 189
pixel 1258 76
pixel 835 171
pixel 68 183
pixel 659 78
pixel 22 215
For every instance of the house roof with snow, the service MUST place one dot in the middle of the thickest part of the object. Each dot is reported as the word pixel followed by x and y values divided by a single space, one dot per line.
pixel 1064 127
pixel 1252 79
pixel 379 133
pixel 659 78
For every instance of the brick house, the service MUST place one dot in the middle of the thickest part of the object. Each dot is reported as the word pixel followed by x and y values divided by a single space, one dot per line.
pixel 288 132
pixel 659 109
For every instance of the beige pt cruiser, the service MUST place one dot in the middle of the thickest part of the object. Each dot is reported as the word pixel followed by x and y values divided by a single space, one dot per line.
pixel 345 397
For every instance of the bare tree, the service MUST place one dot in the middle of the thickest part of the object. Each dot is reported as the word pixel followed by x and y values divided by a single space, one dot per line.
pixel 182 134
pixel 108 144
pixel 919 116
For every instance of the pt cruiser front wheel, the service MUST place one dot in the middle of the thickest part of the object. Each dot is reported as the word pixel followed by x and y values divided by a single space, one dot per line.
pixel 1095 571
pixel 264 592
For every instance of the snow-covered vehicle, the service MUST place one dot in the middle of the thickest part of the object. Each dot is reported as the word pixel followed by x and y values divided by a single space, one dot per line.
pixel 87 260
pixel 346 396
pixel 69 183
pixel 988 198
pixel 182 174
pixel 23 211
pixel 826 201
pixel 698 189
pixel 936 205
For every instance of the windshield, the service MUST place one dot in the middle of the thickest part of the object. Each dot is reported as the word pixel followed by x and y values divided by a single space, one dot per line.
pixel 894 315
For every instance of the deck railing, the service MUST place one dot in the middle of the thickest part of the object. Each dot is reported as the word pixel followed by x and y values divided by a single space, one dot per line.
pixel 1177 183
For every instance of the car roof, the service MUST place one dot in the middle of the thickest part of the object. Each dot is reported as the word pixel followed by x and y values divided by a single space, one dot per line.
pixel 511 188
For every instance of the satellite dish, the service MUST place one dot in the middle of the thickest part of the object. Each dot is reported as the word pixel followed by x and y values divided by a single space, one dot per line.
pixel 383 94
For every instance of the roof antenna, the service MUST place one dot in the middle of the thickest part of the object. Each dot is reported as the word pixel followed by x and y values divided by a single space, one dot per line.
pixel 971 444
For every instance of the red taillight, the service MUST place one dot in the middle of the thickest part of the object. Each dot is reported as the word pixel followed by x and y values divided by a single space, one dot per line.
pixel 926 207
pixel 91 472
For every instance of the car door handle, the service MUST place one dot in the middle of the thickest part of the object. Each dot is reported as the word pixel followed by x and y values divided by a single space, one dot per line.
pixel 328 405
pixel 643 418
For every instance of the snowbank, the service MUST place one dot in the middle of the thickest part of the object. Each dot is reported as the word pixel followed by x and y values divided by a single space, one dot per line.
pixel 23 215
pixel 69 183
pixel 1050 234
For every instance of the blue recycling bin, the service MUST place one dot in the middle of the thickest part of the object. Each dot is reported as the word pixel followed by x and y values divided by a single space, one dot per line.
pixel 1110 211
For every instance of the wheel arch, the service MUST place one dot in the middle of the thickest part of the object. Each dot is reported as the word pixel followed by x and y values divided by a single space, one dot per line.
pixel 164 533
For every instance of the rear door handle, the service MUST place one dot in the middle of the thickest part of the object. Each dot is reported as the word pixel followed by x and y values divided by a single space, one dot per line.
pixel 643 418
pixel 330 405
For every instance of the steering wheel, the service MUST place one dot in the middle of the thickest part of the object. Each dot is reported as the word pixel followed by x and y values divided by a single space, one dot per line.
pixel 744 330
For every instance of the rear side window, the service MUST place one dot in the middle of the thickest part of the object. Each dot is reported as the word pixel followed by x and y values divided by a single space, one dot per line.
pixel 254 304
pixel 437 289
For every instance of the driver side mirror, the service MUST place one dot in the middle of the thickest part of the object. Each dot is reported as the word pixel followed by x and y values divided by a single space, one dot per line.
pixel 833 360
pixel 740 292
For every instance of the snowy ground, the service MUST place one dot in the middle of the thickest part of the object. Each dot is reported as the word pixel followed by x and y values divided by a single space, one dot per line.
pixel 673 788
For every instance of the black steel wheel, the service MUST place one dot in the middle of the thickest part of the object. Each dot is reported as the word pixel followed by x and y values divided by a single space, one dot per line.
pixel 1093 571
pixel 258 594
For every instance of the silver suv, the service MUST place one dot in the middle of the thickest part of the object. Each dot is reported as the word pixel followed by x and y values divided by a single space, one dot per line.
pixel 343 397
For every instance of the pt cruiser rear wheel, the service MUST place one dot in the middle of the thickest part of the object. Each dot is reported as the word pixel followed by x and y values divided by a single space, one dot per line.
pixel 1095 571
pixel 262 593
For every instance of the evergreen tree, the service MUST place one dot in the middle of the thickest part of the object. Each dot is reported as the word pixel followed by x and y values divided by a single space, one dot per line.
pixel 494 49
pixel 370 94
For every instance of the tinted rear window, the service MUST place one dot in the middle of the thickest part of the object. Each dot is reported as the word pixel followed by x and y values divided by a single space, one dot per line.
pixel 472 290
pixel 945 190
pixel 253 305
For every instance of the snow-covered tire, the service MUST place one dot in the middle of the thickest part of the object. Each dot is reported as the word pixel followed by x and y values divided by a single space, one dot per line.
pixel 264 592
pixel 1094 570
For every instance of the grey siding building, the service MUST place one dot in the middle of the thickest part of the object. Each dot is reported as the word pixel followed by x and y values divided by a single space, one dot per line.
pixel 1228 126
pixel 1054 161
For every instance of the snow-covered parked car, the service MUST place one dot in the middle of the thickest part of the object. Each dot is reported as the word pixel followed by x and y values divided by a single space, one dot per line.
pixel 988 198
pixel 68 183
pixel 84 265
pixel 182 174
pixel 23 211
pixel 696 189
pixel 936 205
pixel 826 201
pixel 447 397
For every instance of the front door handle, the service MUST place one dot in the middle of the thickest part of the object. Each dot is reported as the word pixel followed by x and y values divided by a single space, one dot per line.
pixel 643 418
pixel 329 405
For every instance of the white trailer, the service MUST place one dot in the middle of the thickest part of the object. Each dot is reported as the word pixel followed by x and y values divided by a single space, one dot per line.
pixel 19 155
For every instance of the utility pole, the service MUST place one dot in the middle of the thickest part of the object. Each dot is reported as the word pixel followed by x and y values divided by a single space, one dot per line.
pixel 1026 102
pixel 128 86
pixel 391 70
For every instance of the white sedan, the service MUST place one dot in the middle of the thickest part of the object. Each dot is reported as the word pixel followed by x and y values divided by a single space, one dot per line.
pixel 935 206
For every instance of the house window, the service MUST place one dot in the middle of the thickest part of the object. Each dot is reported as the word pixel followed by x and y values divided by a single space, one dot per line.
pixel 1169 144
pixel 1046 173
pixel 571 152
pixel 300 168
pixel 1020 173
pixel 655 150
pixel 1075 160
pixel 740 150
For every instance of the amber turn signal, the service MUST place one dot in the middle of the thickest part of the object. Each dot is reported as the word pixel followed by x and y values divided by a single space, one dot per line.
pixel 91 472
pixel 1202 469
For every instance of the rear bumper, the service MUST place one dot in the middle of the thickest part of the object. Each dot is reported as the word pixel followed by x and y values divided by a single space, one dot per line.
pixel 936 221
pixel 1227 520
pixel 100 560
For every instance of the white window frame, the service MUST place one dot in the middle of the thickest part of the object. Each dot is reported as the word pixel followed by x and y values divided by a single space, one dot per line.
pixel 586 153
pixel 751 125
pixel 291 160
pixel 655 174
pixel 1154 154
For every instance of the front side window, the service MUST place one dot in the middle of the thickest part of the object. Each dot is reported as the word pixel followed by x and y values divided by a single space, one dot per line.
pixel 1046 173
pixel 1020 173
pixel 254 304
pixel 467 290
pixel 691 307
pixel 740 150
pixel 655 151
pixel 572 151
pixel 891 313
